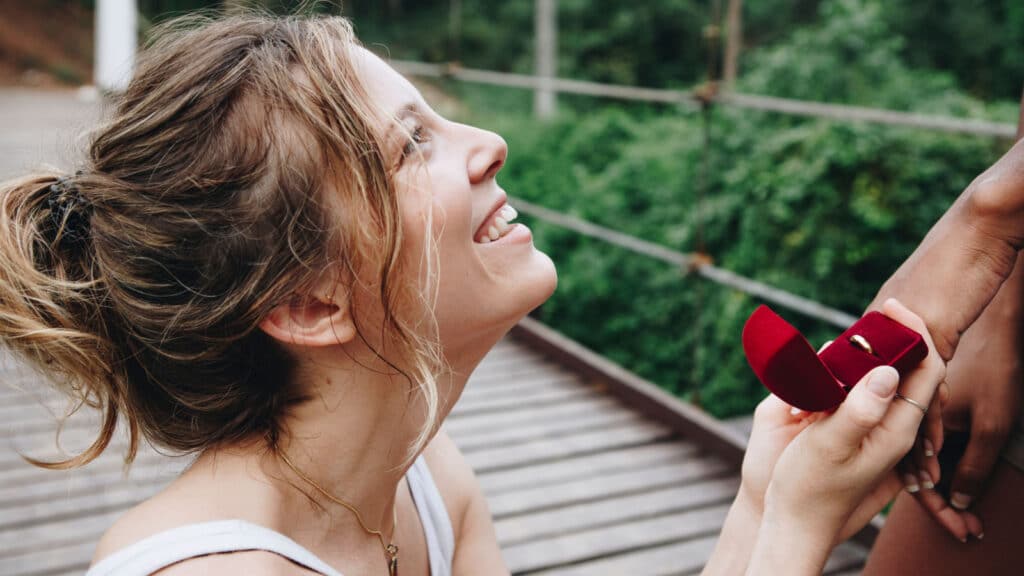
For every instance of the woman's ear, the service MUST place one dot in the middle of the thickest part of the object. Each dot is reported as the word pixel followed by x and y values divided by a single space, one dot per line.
pixel 312 320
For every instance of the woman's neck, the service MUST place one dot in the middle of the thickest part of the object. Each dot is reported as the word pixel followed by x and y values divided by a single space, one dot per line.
pixel 350 436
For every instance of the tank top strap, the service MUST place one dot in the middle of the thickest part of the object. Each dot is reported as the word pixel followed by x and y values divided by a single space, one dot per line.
pixel 172 546
pixel 437 525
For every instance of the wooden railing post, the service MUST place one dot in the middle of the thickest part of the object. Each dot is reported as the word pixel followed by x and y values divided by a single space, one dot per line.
pixel 733 43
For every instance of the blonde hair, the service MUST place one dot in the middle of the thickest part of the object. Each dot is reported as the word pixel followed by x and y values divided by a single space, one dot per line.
pixel 239 165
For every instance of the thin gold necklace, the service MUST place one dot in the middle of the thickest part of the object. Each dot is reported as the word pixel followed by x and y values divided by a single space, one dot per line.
pixel 390 549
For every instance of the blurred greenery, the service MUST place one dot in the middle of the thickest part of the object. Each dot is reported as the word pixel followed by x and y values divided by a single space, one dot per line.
pixel 823 209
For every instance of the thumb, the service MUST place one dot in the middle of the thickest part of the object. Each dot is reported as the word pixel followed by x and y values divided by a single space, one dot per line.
pixel 863 409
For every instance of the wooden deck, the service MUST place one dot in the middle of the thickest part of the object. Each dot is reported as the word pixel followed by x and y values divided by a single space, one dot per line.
pixel 578 481
pixel 587 469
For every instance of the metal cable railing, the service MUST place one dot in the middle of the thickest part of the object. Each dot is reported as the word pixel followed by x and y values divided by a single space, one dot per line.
pixel 837 112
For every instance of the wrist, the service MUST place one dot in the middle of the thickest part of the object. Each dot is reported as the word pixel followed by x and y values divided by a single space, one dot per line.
pixel 749 501
pixel 739 535
pixel 804 513
pixel 790 541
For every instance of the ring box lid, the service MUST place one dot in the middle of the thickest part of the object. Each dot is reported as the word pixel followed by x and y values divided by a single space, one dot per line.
pixel 787 365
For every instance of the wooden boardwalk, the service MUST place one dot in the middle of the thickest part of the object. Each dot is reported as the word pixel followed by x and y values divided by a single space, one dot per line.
pixel 587 469
pixel 578 482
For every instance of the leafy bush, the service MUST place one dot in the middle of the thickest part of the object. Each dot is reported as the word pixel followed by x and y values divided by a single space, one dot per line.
pixel 825 210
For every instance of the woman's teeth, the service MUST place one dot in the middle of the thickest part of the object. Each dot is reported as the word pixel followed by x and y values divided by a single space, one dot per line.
pixel 500 224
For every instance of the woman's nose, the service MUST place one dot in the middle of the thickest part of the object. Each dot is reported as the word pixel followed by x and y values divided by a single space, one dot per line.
pixel 486 156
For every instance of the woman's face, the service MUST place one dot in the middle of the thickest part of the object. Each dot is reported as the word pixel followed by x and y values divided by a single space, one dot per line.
pixel 450 169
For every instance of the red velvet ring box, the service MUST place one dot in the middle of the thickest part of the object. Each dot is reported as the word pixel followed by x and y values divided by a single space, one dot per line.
pixel 787 365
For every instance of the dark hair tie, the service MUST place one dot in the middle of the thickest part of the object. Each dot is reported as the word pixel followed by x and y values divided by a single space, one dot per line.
pixel 69 211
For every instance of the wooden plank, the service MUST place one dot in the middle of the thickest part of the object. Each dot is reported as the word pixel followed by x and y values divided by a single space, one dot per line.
pixel 502 378
pixel 568 446
pixel 49 535
pixel 44 445
pixel 519 385
pixel 471 424
pixel 527 393
pixel 53 485
pixel 631 458
pixel 616 539
pixel 74 557
pixel 45 425
pixel 501 438
pixel 112 459
pixel 12 416
pixel 686 557
pixel 642 395
pixel 527 500
pixel 76 505
pixel 514 363
pixel 501 404
pixel 590 515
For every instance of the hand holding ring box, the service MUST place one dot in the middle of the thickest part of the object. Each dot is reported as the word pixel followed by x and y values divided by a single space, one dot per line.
pixel 788 366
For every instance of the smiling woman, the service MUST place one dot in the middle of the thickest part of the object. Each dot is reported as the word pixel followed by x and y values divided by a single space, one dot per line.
pixel 279 257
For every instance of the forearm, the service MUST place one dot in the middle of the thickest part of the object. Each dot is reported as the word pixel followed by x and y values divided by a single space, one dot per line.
pixel 736 542
pixel 953 275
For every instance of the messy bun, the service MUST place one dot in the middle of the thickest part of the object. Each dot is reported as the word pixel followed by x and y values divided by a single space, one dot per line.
pixel 51 297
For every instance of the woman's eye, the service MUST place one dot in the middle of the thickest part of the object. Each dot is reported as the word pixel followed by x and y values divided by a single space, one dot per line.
pixel 417 138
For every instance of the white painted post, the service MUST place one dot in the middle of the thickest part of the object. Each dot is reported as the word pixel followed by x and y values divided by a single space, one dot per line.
pixel 546 48
pixel 116 33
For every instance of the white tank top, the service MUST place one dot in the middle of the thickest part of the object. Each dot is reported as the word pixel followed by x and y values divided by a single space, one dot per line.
pixel 169 547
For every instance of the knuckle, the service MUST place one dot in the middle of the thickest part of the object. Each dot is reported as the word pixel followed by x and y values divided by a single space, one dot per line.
pixel 862 419
pixel 971 472
pixel 905 444
pixel 986 195
pixel 988 430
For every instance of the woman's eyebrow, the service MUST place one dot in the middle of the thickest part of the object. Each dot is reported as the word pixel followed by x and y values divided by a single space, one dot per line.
pixel 408 109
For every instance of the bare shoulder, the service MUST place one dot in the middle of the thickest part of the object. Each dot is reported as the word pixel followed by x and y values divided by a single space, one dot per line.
pixel 476 544
pixel 159 514
pixel 135 525
pixel 250 563
pixel 454 477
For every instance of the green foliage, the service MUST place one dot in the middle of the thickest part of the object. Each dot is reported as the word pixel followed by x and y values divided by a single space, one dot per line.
pixel 825 210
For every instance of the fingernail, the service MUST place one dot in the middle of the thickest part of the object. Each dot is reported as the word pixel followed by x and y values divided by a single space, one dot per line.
pixel 926 480
pixel 981 536
pixel 963 540
pixel 911 483
pixel 883 382
pixel 960 501
pixel 929 448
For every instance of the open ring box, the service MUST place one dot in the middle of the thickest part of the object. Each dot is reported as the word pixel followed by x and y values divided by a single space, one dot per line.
pixel 788 366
